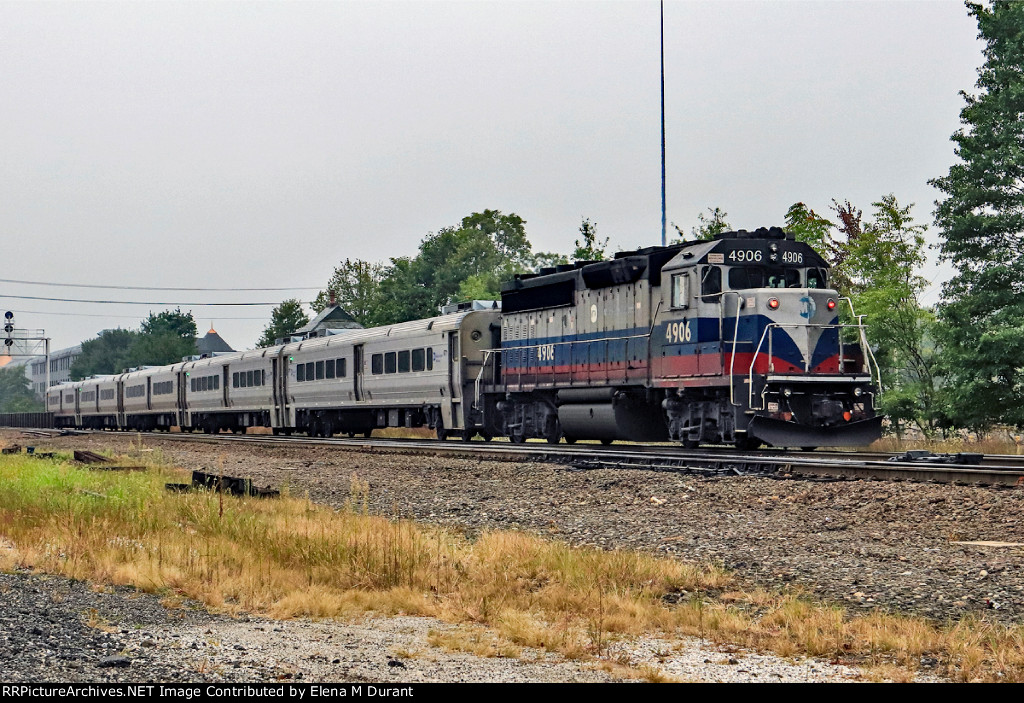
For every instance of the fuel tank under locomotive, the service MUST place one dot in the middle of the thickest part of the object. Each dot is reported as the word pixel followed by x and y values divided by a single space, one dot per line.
pixel 609 413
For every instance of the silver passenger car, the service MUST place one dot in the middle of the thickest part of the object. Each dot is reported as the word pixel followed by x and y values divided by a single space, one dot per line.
pixel 412 374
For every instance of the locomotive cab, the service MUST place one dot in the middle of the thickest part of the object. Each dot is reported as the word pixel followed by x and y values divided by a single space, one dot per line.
pixel 752 350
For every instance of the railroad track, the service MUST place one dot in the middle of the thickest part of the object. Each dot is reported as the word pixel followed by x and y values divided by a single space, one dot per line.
pixel 995 470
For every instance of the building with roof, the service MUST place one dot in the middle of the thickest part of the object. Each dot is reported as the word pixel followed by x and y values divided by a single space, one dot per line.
pixel 331 320
pixel 212 344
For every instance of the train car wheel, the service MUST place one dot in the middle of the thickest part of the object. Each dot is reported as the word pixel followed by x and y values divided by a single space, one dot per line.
pixel 570 440
pixel 607 442
pixel 516 438
pixel 807 449
pixel 368 434
pixel 487 436
pixel 553 440
pixel 442 433
pixel 351 434
pixel 467 435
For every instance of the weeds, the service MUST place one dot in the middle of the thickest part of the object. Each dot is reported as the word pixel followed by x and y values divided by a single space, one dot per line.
pixel 506 590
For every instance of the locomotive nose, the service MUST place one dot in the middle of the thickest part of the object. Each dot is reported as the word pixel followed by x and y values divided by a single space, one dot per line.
pixel 796 326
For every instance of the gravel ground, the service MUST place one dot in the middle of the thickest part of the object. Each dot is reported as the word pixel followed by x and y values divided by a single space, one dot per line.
pixel 867 543
pixel 54 629
pixel 870 544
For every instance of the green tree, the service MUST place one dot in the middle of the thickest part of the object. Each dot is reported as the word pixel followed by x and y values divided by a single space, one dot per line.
pixel 284 319
pixel 356 286
pixel 588 248
pixel 546 259
pixel 981 220
pixel 164 338
pixel 107 354
pixel 457 263
pixel 811 228
pixel 882 262
pixel 15 392
pixel 707 227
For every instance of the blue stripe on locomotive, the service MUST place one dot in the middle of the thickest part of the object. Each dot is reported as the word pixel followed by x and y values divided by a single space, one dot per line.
pixel 618 346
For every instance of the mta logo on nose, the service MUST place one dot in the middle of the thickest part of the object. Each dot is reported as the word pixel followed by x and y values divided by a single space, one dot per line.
pixel 807 307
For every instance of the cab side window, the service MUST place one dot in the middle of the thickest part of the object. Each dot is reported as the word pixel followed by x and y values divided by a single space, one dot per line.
pixel 816 278
pixel 681 290
pixel 711 284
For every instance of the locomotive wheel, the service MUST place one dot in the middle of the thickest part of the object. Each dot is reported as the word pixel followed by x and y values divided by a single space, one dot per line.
pixel 553 440
pixel 442 433
pixel 368 434
pixel 807 449
pixel 351 434
pixel 517 438
pixel 690 444
pixel 487 436
pixel 607 442
pixel 569 440
pixel 467 435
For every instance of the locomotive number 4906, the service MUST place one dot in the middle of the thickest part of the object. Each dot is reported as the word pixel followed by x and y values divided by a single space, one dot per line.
pixel 743 255
pixel 677 332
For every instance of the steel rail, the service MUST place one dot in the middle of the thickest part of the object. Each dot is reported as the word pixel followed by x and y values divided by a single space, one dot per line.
pixel 835 465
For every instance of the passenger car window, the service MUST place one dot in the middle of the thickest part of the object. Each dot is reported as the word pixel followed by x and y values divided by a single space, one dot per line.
pixel 342 368
pixel 403 361
pixel 390 362
pixel 377 364
pixel 300 372
pixel 329 369
pixel 430 358
pixel 309 371
pixel 319 370
pixel 418 360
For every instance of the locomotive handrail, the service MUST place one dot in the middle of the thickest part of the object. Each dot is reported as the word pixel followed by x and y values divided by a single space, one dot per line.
pixel 735 333
pixel 489 354
pixel 864 342
pixel 772 325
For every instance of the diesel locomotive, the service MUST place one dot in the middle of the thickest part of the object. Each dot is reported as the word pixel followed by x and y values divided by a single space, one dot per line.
pixel 734 340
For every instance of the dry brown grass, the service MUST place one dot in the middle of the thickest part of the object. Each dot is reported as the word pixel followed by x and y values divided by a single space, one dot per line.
pixel 289 558
pixel 995 443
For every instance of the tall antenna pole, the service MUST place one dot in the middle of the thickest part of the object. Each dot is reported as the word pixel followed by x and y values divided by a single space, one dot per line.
pixel 663 240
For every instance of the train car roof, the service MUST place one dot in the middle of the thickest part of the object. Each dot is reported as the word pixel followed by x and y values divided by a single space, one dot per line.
pixel 413 328
pixel 556 286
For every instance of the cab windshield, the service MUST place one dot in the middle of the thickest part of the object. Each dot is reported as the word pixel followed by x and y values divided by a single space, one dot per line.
pixel 741 278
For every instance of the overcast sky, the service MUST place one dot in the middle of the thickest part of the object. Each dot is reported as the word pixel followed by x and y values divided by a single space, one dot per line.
pixel 255 145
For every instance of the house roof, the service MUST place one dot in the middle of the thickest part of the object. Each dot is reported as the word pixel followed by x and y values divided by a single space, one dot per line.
pixel 212 343
pixel 331 317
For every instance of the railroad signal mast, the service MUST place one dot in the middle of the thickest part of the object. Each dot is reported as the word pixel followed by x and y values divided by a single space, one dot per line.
pixel 11 337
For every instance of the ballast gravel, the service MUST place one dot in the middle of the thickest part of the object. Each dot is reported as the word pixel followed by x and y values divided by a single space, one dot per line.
pixel 904 547
pixel 57 630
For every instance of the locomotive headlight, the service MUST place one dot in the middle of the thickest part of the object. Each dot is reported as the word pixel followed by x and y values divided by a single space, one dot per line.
pixel 858 392
pixel 773 246
pixel 773 303
pixel 787 392
pixel 831 304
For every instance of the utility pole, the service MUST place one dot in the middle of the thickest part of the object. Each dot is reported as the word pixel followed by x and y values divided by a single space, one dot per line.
pixel 663 239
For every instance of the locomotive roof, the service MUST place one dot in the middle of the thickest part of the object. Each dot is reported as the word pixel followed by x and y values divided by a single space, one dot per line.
pixel 555 286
